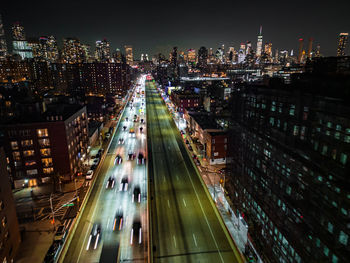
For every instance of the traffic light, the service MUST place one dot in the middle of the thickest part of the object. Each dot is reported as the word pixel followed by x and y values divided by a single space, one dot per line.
pixel 53 221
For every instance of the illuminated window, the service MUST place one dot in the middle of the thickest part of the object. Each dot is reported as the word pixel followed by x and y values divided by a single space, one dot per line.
pixel 32 172
pixel 343 238
pixel 45 152
pixel 28 153
pixel 48 170
pixel 42 133
pixel 14 145
pixel 343 158
pixel 27 143
pixel 46 162
pixel 44 143
pixel 4 221
pixel 30 163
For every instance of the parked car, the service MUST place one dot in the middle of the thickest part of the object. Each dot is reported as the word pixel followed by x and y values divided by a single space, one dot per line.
pixel 60 233
pixel 89 174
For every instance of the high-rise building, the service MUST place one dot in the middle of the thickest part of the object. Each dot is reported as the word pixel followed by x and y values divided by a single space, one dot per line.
pixel 129 55
pixel 248 49
pixel 309 49
pixel 102 53
pixel 268 49
pixel 300 53
pixel 19 44
pixel 117 56
pixel 191 56
pixel 259 43
pixel 3 45
pixel 10 238
pixel 72 51
pixel 44 49
pixel 202 56
pixel 318 51
pixel 173 56
pixel 18 32
pixel 290 166
pixel 42 142
pixel 342 42
pixel 86 53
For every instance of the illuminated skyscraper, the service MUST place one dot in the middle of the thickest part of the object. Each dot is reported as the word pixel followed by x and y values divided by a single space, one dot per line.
pixel 173 56
pixel 19 44
pixel 318 51
pixel 129 55
pixel 72 51
pixel 117 56
pixel 300 53
pixel 202 56
pixel 44 49
pixel 268 49
pixel 343 40
pixel 18 32
pixel 3 46
pixel 309 50
pixel 259 43
pixel 248 48
pixel 191 56
pixel 102 52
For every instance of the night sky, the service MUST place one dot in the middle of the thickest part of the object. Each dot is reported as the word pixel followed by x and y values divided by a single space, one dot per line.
pixel 156 26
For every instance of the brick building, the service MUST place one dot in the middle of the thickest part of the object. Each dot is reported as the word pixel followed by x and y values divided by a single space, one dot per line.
pixel 42 144
pixel 9 230
pixel 290 148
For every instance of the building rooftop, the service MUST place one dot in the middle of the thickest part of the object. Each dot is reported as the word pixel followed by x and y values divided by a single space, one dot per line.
pixel 39 112
pixel 205 120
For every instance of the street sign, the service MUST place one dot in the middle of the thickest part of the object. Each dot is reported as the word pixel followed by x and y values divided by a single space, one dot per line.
pixel 71 204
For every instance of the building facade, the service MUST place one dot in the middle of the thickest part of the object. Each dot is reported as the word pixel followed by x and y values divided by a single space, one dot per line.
pixel 290 148
pixel 9 236
pixel 342 42
pixel 40 146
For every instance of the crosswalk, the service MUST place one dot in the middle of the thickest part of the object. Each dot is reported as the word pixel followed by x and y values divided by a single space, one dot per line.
pixel 59 211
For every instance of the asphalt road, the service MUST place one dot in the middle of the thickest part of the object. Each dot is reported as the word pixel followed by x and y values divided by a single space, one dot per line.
pixel 185 224
pixel 104 203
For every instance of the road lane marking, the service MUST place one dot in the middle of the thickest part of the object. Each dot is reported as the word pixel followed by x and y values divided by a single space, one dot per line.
pixel 168 203
pixel 184 202
pixel 195 241
pixel 108 222
pixel 174 240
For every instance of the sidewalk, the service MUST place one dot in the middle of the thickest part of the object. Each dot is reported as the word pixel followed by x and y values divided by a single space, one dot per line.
pixel 36 240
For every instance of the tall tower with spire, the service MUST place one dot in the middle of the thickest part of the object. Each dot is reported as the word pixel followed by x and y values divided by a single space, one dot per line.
pixel 3 46
pixel 259 43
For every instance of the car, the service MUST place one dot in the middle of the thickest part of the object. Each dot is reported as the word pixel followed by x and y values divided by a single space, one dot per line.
pixel 124 128
pixel 110 182
pixel 100 151
pixel 187 142
pixel 118 221
pixel 108 135
pixel 132 132
pixel 124 184
pixel 53 252
pixel 140 158
pixel 136 233
pixel 93 167
pixel 126 119
pixel 131 156
pixel 141 129
pixel 194 156
pixel 60 233
pixel 118 159
pixel 95 237
pixel 121 141
pixel 89 174
pixel 136 195
pixel 142 121
pixel 96 161
pixel 190 148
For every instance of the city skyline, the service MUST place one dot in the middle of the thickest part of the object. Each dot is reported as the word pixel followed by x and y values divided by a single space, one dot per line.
pixel 146 34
